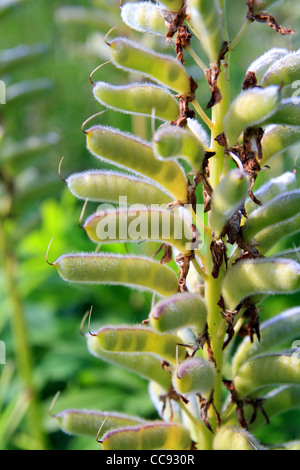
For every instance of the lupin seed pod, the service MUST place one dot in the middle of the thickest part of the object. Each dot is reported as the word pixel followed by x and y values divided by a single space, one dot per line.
pixel 88 422
pixel 279 209
pixel 204 18
pixel 172 5
pixel 109 269
pixel 271 189
pixel 267 370
pixel 136 224
pixel 277 139
pixel 134 339
pixel 284 71
pixel 262 5
pixel 145 17
pixel 286 114
pixel 262 63
pixel 179 311
pixel 147 366
pixel 154 436
pixel 163 68
pixel 144 99
pixel 128 152
pixel 274 333
pixel 172 142
pixel 227 198
pixel 194 375
pixel 107 186
pixel 250 108
pixel 259 276
pixel 198 130
pixel 235 438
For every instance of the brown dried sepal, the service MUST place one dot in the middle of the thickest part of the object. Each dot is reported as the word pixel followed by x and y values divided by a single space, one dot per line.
pixel 229 316
pixel 168 397
pixel 212 76
pixel 184 100
pixel 250 81
pixel 219 254
pixel 253 325
pixel 168 254
pixel 183 262
pixel 264 17
pixel 204 408
pixel 200 342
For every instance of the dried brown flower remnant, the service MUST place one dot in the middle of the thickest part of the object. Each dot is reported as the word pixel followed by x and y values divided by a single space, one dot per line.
pixel 250 81
pixel 264 17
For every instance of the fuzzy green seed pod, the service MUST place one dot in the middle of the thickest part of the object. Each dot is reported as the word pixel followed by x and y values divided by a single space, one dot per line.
pixel 262 63
pixel 194 375
pixel 162 68
pixel 107 186
pixel 199 131
pixel 206 24
pixel 131 271
pixel 147 366
pixel 284 71
pixel 250 108
pixel 129 152
pixel 88 422
pixel 172 5
pixel 128 339
pixel 136 224
pixel 279 209
pixel 286 114
pixel 144 99
pixel 179 311
pixel 274 333
pixel 154 436
pixel 271 189
pixel 278 139
pixel 235 438
pixel 172 142
pixel 259 276
pixel 144 17
pixel 227 198
pixel 267 370
pixel 262 5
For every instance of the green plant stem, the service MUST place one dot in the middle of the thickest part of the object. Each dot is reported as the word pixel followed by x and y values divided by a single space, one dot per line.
pixel 240 34
pixel 21 343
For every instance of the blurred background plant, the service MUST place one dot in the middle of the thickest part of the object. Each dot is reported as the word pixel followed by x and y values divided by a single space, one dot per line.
pixel 47 51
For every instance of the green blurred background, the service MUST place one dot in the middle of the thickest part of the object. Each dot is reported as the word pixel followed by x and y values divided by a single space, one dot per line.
pixel 36 206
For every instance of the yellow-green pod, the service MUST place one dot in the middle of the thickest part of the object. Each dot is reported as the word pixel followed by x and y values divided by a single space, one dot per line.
pixel 284 71
pixel 147 366
pixel 250 108
pixel 271 189
pixel 144 99
pixel 194 375
pixel 267 370
pixel 136 272
pixel 154 436
pixel 205 20
pixel 277 210
pixel 129 152
pixel 235 438
pixel 173 142
pixel 133 339
pixel 262 5
pixel 286 114
pixel 144 17
pixel 163 68
pixel 88 422
pixel 227 198
pixel 108 186
pixel 274 333
pixel 140 223
pixel 259 276
pixel 277 139
pixel 172 5
pixel 262 63
pixel 11 58
pixel 179 311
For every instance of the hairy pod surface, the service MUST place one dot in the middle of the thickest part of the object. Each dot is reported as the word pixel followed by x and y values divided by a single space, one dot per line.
pixel 235 438
pixel 128 152
pixel 144 17
pixel 145 99
pixel 147 366
pixel 286 114
pixel 250 108
pixel 122 270
pixel 274 333
pixel 271 189
pixel 128 339
pixel 259 276
pixel 284 71
pixel 194 375
pixel 278 139
pixel 199 131
pixel 88 422
pixel 227 198
pixel 262 63
pixel 154 436
pixel 136 224
pixel 107 186
pixel 179 311
pixel 163 68
pixel 172 5
pixel 267 370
